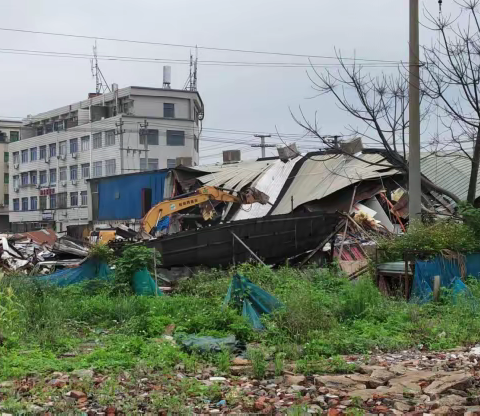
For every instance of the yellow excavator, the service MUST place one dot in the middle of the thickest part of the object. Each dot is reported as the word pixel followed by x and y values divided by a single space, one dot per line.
pixel 202 196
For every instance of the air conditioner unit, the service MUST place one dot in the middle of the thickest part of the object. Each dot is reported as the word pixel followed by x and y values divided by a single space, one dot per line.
pixel 16 165
pixel 37 186
pixel 74 155
pixel 74 181
pixel 64 183
pixel 61 157
pixel 16 189
pixel 47 160
pixel 85 180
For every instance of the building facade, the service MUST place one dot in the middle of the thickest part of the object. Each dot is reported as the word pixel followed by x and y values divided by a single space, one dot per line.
pixel 128 130
pixel 9 133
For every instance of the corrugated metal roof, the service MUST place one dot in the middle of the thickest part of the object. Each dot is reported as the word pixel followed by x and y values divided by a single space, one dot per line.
pixel 235 175
pixel 449 172
pixel 322 175
pixel 271 182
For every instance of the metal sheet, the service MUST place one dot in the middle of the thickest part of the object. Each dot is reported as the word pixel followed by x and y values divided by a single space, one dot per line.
pixel 322 175
pixel 273 239
pixel 449 172
pixel 270 182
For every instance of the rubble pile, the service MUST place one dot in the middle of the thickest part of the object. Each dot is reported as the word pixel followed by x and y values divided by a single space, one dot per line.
pixel 408 383
pixel 40 251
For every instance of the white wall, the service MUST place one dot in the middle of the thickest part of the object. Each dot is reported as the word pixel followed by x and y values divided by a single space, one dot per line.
pixel 144 107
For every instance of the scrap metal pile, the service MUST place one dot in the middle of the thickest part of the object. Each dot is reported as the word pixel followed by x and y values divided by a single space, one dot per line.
pixel 40 252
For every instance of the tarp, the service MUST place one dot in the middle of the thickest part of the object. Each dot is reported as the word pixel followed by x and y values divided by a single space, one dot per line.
pixel 251 299
pixel 88 270
pixel 450 276
pixel 143 284
pixel 210 344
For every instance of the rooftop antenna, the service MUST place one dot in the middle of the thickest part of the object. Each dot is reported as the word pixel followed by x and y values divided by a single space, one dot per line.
pixel 100 83
pixel 195 66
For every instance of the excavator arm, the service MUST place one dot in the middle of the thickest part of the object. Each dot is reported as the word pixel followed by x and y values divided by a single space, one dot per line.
pixel 201 195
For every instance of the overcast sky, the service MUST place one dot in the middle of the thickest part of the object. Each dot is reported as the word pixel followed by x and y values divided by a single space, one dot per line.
pixel 236 98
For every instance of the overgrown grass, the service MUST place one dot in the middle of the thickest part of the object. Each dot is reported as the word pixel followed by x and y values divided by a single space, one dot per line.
pixel 325 315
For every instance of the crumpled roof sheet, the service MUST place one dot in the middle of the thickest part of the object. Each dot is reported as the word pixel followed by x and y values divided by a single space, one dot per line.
pixel 236 175
pixel 271 182
pixel 322 175
pixel 449 172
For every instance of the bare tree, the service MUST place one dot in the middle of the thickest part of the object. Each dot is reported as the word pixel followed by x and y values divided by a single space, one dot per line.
pixel 452 79
pixel 379 102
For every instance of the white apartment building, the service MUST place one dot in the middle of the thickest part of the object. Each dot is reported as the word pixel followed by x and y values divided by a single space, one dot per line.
pixel 9 132
pixel 127 130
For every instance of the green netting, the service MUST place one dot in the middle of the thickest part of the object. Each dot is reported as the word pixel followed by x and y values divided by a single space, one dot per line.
pixel 90 269
pixel 143 284
pixel 251 299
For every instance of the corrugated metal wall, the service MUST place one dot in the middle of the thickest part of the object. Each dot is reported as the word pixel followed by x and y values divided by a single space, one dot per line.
pixel 120 197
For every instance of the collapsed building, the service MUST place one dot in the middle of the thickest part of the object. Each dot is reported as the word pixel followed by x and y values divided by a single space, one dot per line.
pixel 321 205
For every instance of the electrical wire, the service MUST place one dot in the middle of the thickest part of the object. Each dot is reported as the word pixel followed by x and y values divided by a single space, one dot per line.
pixel 177 45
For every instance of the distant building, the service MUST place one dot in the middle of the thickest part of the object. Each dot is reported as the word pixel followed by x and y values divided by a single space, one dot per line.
pixel 127 130
pixel 9 132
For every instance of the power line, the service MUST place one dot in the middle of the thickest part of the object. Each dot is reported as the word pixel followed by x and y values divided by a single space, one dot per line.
pixel 138 59
pixel 177 45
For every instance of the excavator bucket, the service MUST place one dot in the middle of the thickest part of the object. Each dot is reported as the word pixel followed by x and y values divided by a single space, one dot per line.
pixel 252 195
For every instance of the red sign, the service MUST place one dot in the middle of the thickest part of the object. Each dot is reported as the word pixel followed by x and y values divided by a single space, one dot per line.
pixel 47 191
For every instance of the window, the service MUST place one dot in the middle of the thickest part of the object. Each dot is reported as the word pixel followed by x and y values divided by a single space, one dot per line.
pixel 110 167
pixel 195 142
pixel 85 143
pixel 86 170
pixel 43 202
pixel 62 200
pixel 168 110
pixel 6 198
pixel 53 149
pixel 73 145
pixel 73 199
pixel 110 138
pixel 58 125
pixel 43 152
pixel 33 203
pixel 48 128
pixel 39 131
pixel 25 156
pixel 24 177
pixel 5 157
pixel 53 176
pixel 43 177
pixel 16 204
pixel 171 163
pixel 16 157
pixel 175 138
pixel 14 136
pixel 62 148
pixel 5 178
pixel 25 204
pixel 73 172
pixel 152 136
pixel 97 140
pixel 15 181
pixel 62 173
pixel 84 197
pixel 33 154
pixel 33 177
pixel 152 164
pixel 53 201
pixel 97 169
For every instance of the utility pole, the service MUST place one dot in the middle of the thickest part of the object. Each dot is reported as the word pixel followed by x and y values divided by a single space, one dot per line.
pixel 414 178
pixel 143 129
pixel 262 142
pixel 120 132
